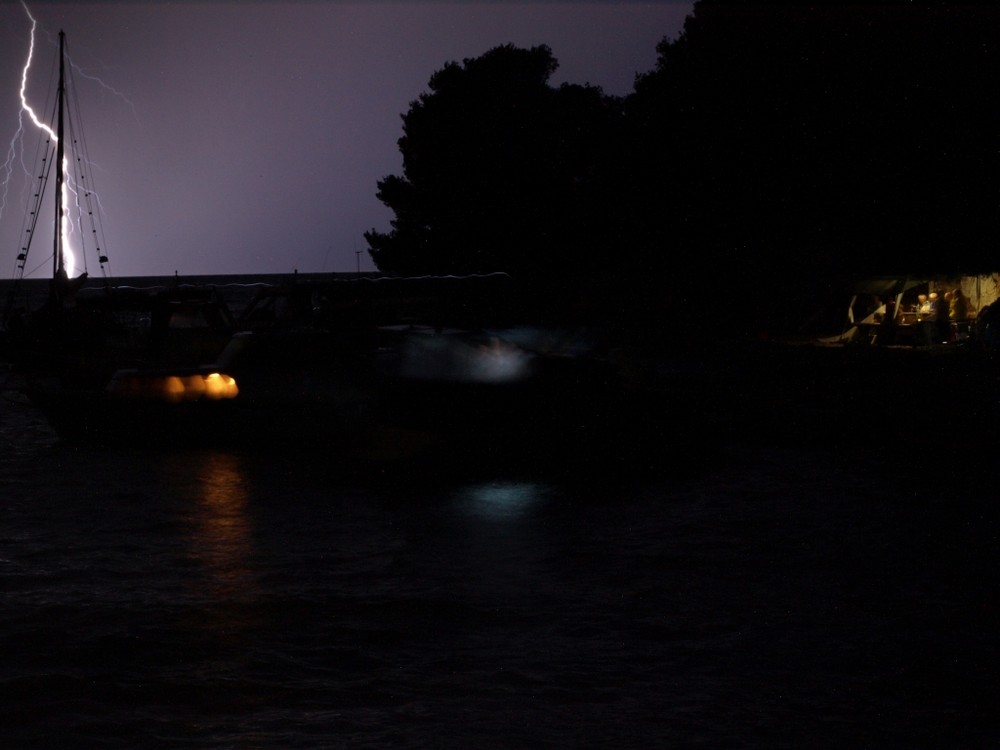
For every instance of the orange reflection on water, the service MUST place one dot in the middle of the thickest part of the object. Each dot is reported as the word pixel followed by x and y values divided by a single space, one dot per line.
pixel 222 535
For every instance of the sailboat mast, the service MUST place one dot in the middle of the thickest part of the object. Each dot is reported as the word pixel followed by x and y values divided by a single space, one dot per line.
pixel 57 259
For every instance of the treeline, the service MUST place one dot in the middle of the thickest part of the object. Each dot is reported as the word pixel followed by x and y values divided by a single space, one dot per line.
pixel 774 148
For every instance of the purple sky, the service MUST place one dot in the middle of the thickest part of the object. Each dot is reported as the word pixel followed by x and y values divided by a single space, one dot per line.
pixel 248 137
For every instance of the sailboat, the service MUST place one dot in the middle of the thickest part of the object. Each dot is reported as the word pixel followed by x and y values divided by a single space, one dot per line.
pixel 31 331
pixel 87 347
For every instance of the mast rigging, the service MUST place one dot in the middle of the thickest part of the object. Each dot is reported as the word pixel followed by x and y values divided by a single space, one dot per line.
pixel 57 256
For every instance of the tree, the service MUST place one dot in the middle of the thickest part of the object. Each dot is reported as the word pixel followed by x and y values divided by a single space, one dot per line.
pixel 810 139
pixel 773 146
pixel 501 172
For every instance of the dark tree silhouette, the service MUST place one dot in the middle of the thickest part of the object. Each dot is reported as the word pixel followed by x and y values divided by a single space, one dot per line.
pixel 501 172
pixel 801 141
pixel 774 147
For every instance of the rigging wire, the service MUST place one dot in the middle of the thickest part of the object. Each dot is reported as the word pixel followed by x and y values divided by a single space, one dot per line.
pixel 79 182
pixel 83 180
pixel 38 175
pixel 44 151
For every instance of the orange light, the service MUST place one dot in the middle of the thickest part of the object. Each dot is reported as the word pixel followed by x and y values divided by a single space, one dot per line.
pixel 219 386
pixel 174 388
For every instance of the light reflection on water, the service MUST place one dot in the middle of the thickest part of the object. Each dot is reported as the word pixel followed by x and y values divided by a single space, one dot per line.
pixel 221 537
pixel 501 501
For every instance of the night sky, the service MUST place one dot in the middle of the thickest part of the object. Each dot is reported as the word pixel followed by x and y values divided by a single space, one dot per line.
pixel 248 138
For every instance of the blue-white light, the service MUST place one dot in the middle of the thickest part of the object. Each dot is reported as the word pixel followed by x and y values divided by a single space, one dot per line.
pixel 500 501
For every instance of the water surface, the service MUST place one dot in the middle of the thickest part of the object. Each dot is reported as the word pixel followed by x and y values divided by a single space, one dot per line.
pixel 782 597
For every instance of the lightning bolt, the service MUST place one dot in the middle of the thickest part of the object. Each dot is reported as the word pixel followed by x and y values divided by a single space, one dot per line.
pixel 68 184
pixel 69 181
pixel 99 81
pixel 69 258
pixel 12 151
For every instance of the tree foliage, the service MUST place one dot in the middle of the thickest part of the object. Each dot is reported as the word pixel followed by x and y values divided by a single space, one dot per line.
pixel 773 143
pixel 501 171
pixel 823 136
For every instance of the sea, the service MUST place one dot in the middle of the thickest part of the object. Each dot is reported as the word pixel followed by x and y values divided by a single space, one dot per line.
pixel 778 593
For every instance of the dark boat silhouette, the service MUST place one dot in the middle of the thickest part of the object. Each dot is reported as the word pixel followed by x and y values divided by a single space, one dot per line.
pixel 70 350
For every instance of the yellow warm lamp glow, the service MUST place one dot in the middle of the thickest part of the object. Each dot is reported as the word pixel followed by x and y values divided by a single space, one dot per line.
pixel 173 388
pixel 219 386
pixel 214 386
pixel 194 386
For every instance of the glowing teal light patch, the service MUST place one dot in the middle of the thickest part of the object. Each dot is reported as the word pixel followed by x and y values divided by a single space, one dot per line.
pixel 501 500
